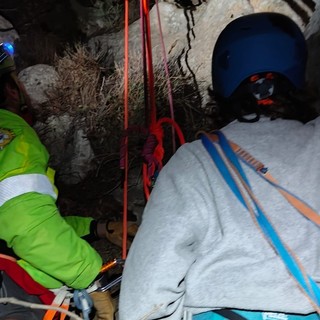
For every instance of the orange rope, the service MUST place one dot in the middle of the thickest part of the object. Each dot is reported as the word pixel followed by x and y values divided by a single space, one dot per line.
pixel 147 38
pixel 126 121
pixel 149 170
pixel 175 126
pixel 154 161
pixel 156 151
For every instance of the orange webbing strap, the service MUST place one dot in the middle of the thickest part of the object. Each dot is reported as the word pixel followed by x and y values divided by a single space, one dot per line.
pixel 263 172
pixel 59 301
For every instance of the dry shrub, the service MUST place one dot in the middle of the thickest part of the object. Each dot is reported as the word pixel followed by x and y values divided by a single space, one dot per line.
pixel 86 89
pixel 107 120
pixel 78 80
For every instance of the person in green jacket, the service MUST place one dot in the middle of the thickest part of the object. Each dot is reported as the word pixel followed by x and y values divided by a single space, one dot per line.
pixel 48 246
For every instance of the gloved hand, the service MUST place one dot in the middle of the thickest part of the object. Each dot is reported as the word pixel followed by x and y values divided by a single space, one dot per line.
pixel 114 232
pixel 103 304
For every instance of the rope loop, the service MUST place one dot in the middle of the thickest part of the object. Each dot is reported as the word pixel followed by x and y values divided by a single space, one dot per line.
pixel 154 152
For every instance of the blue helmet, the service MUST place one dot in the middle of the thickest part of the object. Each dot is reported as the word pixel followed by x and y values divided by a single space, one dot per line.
pixel 258 43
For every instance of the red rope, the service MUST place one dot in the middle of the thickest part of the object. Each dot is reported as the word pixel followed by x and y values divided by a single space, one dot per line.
pixel 144 64
pixel 152 115
pixel 153 152
pixel 126 116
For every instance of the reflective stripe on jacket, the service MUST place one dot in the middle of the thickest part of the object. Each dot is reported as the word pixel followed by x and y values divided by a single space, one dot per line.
pixel 23 183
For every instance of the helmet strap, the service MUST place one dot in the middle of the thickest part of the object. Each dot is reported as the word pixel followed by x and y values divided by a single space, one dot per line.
pixel 265 102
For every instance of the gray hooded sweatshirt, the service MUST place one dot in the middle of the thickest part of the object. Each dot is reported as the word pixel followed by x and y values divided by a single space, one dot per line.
pixel 199 249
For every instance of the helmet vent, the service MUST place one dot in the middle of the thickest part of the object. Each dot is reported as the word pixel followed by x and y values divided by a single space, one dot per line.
pixel 262 88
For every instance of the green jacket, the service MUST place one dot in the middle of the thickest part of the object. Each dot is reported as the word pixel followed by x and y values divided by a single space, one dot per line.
pixel 49 245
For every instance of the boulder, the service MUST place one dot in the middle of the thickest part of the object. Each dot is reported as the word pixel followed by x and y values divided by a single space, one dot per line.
pixel 38 79
pixel 7 32
pixel 69 148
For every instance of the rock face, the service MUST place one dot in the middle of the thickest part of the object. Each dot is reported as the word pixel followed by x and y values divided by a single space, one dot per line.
pixel 68 145
pixel 189 34
pixel 7 32
pixel 65 137
pixel 38 79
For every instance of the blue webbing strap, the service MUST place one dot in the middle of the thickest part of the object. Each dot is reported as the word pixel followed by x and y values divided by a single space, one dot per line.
pixel 313 216
pixel 222 167
pixel 305 281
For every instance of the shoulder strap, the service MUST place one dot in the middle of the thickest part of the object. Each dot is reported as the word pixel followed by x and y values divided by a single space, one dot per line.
pixel 265 174
pixel 227 161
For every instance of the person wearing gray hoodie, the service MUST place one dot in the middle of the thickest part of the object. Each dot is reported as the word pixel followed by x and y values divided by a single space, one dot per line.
pixel 199 253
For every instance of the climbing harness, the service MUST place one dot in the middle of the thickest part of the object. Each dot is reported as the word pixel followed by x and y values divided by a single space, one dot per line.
pixel 54 302
pixel 57 300
pixel 83 302
pixel 227 156
pixel 10 266
pixel 62 300
pixel 81 298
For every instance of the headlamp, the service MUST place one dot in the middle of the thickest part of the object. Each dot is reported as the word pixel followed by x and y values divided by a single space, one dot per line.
pixel 6 50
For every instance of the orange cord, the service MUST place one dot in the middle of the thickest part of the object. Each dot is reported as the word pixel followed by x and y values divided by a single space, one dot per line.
pixel 126 115
pixel 152 100
pixel 107 266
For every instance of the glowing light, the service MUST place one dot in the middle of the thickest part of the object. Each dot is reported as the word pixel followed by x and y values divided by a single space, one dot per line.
pixel 9 48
